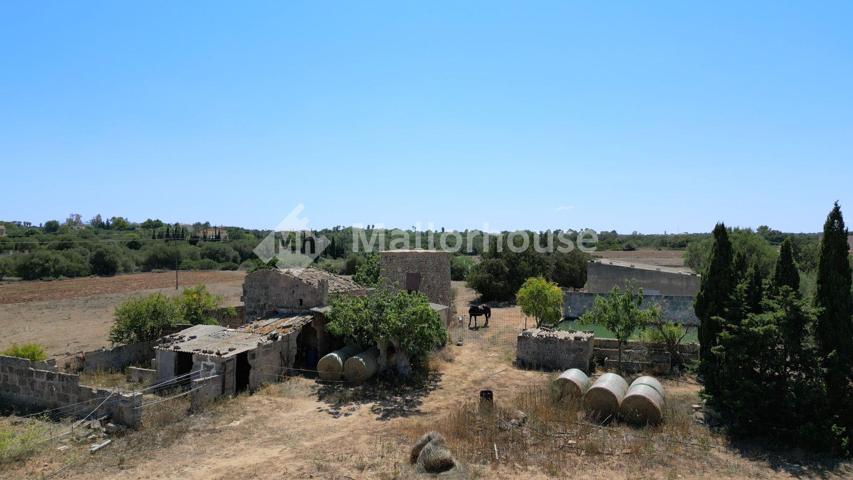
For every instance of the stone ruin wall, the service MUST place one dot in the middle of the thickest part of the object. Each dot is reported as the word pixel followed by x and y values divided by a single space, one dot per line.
pixel 32 387
pixel 433 267
pixel 557 350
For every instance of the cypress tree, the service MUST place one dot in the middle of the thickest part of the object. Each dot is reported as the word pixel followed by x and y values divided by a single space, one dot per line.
pixel 712 304
pixel 786 274
pixel 833 330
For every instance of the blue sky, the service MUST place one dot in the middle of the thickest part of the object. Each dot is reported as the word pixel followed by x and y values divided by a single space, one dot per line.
pixel 646 116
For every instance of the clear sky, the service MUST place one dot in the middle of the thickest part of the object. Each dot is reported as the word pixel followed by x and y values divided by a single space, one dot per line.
pixel 646 116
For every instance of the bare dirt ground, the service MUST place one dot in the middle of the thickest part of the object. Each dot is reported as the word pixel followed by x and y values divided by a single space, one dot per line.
pixel 68 316
pixel 303 429
pixel 661 258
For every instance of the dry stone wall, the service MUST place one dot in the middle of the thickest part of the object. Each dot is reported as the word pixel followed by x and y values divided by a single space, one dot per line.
pixel 554 349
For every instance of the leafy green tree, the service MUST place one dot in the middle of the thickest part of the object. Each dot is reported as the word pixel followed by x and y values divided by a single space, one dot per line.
pixel 104 261
pixel 460 265
pixel 367 273
pixel 51 226
pixel 490 279
pixel 542 300
pixel 568 269
pixel 619 312
pixel 144 318
pixel 712 303
pixel 786 273
pixel 385 315
pixel 833 330
pixel 196 305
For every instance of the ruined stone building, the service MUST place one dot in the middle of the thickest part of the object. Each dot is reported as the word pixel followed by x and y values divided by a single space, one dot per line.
pixel 424 271
pixel 268 291
pixel 243 358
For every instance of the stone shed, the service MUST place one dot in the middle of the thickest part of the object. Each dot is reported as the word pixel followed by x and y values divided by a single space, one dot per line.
pixel 554 349
pixel 270 290
pixel 241 359
pixel 425 271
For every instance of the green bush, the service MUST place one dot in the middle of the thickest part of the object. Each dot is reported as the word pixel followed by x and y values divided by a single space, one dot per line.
pixel 367 273
pixel 542 300
pixel 104 261
pixel 144 318
pixel 45 264
pixel 219 253
pixel 196 305
pixel 460 265
pixel 31 351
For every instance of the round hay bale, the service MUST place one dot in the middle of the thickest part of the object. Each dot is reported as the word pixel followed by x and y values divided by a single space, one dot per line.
pixel 603 398
pixel 359 368
pixel 572 383
pixel 421 443
pixel 643 403
pixel 435 457
pixel 331 366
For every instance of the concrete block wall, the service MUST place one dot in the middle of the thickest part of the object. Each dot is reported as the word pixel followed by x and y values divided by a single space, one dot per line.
pixel 28 388
pixel 433 267
pixel 676 309
pixel 601 277
pixel 539 348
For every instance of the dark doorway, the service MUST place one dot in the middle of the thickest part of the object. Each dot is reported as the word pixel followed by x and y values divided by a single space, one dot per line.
pixel 413 282
pixel 306 348
pixel 241 380
pixel 183 363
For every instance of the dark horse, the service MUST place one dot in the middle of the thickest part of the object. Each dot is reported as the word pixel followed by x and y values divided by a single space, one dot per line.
pixel 475 311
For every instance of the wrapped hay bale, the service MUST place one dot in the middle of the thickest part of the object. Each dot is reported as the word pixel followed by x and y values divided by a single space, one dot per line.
pixel 572 383
pixel 359 368
pixel 331 366
pixel 603 398
pixel 644 401
pixel 431 455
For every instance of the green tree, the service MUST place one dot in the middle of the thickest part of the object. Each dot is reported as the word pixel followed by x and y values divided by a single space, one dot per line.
pixel 385 315
pixel 144 318
pixel 196 305
pixel 490 279
pixel 367 273
pixel 833 330
pixel 460 265
pixel 786 273
pixel 542 300
pixel 51 226
pixel 712 303
pixel 619 312
pixel 104 261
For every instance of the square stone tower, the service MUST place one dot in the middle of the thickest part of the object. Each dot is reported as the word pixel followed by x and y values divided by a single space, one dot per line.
pixel 425 271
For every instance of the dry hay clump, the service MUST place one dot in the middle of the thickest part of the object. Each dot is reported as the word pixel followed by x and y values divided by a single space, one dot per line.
pixel 431 455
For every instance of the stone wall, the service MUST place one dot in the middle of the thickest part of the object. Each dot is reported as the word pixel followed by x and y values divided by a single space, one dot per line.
pixel 28 388
pixel 145 376
pixel 224 318
pixel 639 356
pixel 675 309
pixel 539 348
pixel 266 291
pixel 602 276
pixel 111 359
pixel 431 268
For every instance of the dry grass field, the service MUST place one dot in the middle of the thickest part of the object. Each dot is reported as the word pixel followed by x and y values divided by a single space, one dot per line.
pixel 303 429
pixel 76 314
pixel 662 258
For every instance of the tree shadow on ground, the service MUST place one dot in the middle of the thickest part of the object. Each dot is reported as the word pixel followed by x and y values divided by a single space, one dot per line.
pixel 389 396
pixel 796 462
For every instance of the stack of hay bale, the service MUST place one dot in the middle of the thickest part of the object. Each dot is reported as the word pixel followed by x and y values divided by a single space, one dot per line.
pixel 640 403
pixel 331 366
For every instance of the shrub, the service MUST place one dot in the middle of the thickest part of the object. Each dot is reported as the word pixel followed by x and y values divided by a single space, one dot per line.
pixel 144 318
pixel 161 256
pixel 104 261
pixel 219 253
pixel 460 265
pixel 367 273
pixel 196 305
pixel 45 264
pixel 31 351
